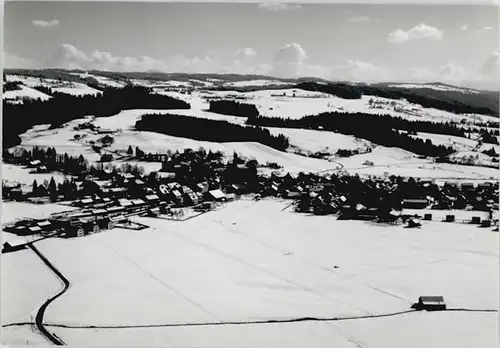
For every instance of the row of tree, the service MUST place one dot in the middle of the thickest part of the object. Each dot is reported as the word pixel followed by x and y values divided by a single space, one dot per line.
pixel 209 130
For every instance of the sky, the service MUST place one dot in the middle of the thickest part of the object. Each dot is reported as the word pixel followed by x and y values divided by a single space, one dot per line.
pixel 370 43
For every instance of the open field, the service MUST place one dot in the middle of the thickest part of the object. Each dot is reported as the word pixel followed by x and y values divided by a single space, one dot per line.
pixel 253 261
pixel 415 330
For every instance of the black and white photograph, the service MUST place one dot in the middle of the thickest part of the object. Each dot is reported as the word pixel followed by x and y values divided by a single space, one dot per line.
pixel 245 174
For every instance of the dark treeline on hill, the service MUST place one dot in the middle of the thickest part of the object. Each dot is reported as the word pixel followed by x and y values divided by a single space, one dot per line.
pixel 233 108
pixel 485 103
pixel 341 90
pixel 209 130
pixel 381 130
pixel 62 108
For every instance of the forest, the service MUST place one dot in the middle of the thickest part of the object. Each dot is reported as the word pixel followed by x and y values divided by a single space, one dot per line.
pixel 209 130
pixel 381 130
pixel 62 108
pixel 233 108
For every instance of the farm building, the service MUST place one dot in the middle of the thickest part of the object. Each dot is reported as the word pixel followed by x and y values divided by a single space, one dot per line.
pixel 430 303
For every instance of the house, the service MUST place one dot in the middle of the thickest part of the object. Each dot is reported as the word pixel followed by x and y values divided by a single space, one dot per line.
pixel 84 202
pixel 202 187
pixel 216 195
pixel 420 203
pixel 124 203
pixel 138 202
pixel 13 245
pixel 107 157
pixel 152 199
pixel 430 303
pixel 105 131
pixel 42 169
pixel 162 176
pixel 34 164
pixel 45 225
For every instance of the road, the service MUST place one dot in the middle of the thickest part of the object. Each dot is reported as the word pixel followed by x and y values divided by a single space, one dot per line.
pixel 41 311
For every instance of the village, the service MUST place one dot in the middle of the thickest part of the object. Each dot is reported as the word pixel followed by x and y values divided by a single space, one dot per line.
pixel 195 182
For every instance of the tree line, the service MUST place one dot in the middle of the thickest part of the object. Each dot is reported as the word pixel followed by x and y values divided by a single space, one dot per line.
pixel 62 108
pixel 209 130
pixel 233 108
pixel 381 130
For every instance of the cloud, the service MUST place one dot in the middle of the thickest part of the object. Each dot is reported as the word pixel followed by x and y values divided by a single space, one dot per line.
pixel 277 6
pixel 289 60
pixel 69 57
pixel 419 32
pixel 245 53
pixel 490 69
pixel 12 61
pixel 464 27
pixel 45 24
pixel 359 71
pixel 359 19
pixel 487 28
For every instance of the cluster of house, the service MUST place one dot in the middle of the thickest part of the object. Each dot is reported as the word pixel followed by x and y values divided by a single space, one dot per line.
pixel 384 199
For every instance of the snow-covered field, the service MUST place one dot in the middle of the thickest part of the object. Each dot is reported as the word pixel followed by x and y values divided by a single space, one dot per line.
pixel 171 83
pixel 435 87
pixel 11 211
pixel 25 92
pixel 432 330
pixel 13 174
pixel 77 89
pixel 394 161
pixel 313 141
pixel 253 261
pixel 26 284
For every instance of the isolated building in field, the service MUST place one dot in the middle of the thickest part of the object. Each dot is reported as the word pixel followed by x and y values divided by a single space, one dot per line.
pixel 430 303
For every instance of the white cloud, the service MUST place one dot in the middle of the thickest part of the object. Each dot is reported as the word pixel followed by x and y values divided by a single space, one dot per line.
pixel 464 27
pixel 490 69
pixel 69 57
pixel 359 19
pixel 419 32
pixel 359 71
pixel 277 6
pixel 45 24
pixel 245 53
pixel 12 61
pixel 487 28
pixel 289 60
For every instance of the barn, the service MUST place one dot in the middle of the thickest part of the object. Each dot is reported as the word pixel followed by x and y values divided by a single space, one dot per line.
pixel 430 303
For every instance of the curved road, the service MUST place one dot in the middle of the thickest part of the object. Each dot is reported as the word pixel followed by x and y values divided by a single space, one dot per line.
pixel 41 311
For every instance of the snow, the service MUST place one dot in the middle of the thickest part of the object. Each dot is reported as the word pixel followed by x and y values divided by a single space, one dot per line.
pixel 16 174
pixel 436 87
pixel 313 141
pixel 273 264
pixel 25 93
pixel 77 89
pixel 415 330
pixel 21 336
pixel 11 211
pixel 395 161
pixel 26 284
pixel 256 83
